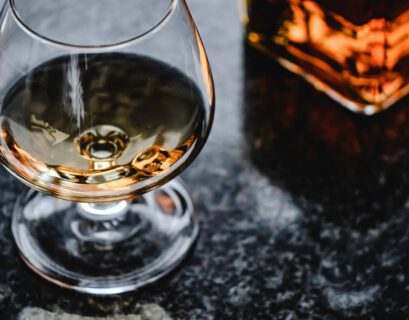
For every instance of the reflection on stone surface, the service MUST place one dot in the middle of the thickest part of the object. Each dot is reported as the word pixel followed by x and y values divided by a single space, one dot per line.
pixel 266 202
pixel 346 300
pixel 148 312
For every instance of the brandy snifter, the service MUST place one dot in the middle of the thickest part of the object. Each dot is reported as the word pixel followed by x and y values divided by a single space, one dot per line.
pixel 103 103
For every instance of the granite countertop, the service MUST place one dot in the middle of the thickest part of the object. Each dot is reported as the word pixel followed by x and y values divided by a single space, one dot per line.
pixel 305 207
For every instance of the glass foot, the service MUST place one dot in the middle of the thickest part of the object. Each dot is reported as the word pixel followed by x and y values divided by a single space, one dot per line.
pixel 106 248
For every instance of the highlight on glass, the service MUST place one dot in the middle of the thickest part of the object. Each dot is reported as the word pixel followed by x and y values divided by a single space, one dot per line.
pixel 103 104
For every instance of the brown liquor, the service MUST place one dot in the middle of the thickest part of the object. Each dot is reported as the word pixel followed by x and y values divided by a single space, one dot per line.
pixel 89 128
pixel 356 51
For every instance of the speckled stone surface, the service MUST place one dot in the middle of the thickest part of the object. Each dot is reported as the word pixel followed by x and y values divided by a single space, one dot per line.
pixel 305 207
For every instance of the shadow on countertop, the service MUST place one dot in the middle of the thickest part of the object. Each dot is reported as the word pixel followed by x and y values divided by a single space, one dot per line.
pixel 355 168
pixel 349 175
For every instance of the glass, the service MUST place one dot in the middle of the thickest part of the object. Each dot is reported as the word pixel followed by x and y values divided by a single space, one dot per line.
pixel 355 51
pixel 102 102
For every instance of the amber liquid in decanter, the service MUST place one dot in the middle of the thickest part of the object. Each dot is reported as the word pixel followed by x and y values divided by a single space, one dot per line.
pixel 356 51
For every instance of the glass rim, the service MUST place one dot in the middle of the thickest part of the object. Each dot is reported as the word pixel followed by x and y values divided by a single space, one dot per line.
pixel 20 21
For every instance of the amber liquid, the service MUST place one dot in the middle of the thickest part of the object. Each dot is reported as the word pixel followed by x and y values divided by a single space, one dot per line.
pixel 90 128
pixel 356 51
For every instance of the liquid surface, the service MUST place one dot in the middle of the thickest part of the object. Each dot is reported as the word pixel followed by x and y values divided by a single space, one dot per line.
pixel 85 127
pixel 357 51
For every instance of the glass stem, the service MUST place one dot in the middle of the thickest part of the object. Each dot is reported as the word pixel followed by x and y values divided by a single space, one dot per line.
pixel 103 211
pixel 106 224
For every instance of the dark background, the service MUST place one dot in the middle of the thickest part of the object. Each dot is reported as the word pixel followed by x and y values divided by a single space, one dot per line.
pixel 304 206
